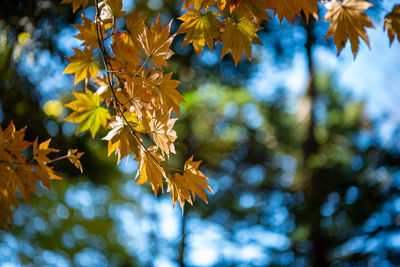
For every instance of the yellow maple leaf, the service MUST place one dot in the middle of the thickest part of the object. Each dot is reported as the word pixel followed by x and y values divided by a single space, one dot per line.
pixel 156 42
pixel 87 112
pixel 348 23
pixel 82 65
pixel 88 32
pixel 200 28
pixel 76 3
pixel 150 170
pixel 238 35
pixel 120 138
pixel 392 23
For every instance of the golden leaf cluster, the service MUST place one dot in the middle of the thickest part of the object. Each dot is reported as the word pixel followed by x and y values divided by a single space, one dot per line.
pixel 136 100
pixel 18 173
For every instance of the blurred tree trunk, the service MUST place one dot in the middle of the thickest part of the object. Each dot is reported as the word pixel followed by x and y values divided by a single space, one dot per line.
pixel 183 244
pixel 312 191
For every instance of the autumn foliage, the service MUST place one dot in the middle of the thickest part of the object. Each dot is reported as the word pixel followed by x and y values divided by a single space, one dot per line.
pixel 18 172
pixel 137 100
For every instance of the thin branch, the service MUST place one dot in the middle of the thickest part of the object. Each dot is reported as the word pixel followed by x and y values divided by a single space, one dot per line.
pixel 57 159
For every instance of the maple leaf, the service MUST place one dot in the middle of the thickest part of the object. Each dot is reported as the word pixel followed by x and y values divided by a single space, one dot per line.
pixel 150 169
pixel 392 23
pixel 16 173
pixel 284 9
pixel 309 7
pixel 136 95
pixel 237 35
pixel 254 10
pixel 135 26
pixel 200 28
pixel 125 56
pixel 196 181
pixel 164 90
pixel 87 112
pixel 178 188
pixel 88 32
pixel 348 22
pixel 82 65
pixel 12 144
pixel 162 133
pixel 76 4
pixel 41 151
pixel 44 172
pixel 120 138
pixel 22 177
pixel 110 10
pixel 156 42
pixel 73 156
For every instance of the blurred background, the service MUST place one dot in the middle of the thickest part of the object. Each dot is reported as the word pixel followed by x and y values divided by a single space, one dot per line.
pixel 302 148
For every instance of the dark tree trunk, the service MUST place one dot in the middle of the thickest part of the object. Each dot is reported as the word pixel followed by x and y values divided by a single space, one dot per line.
pixel 312 192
